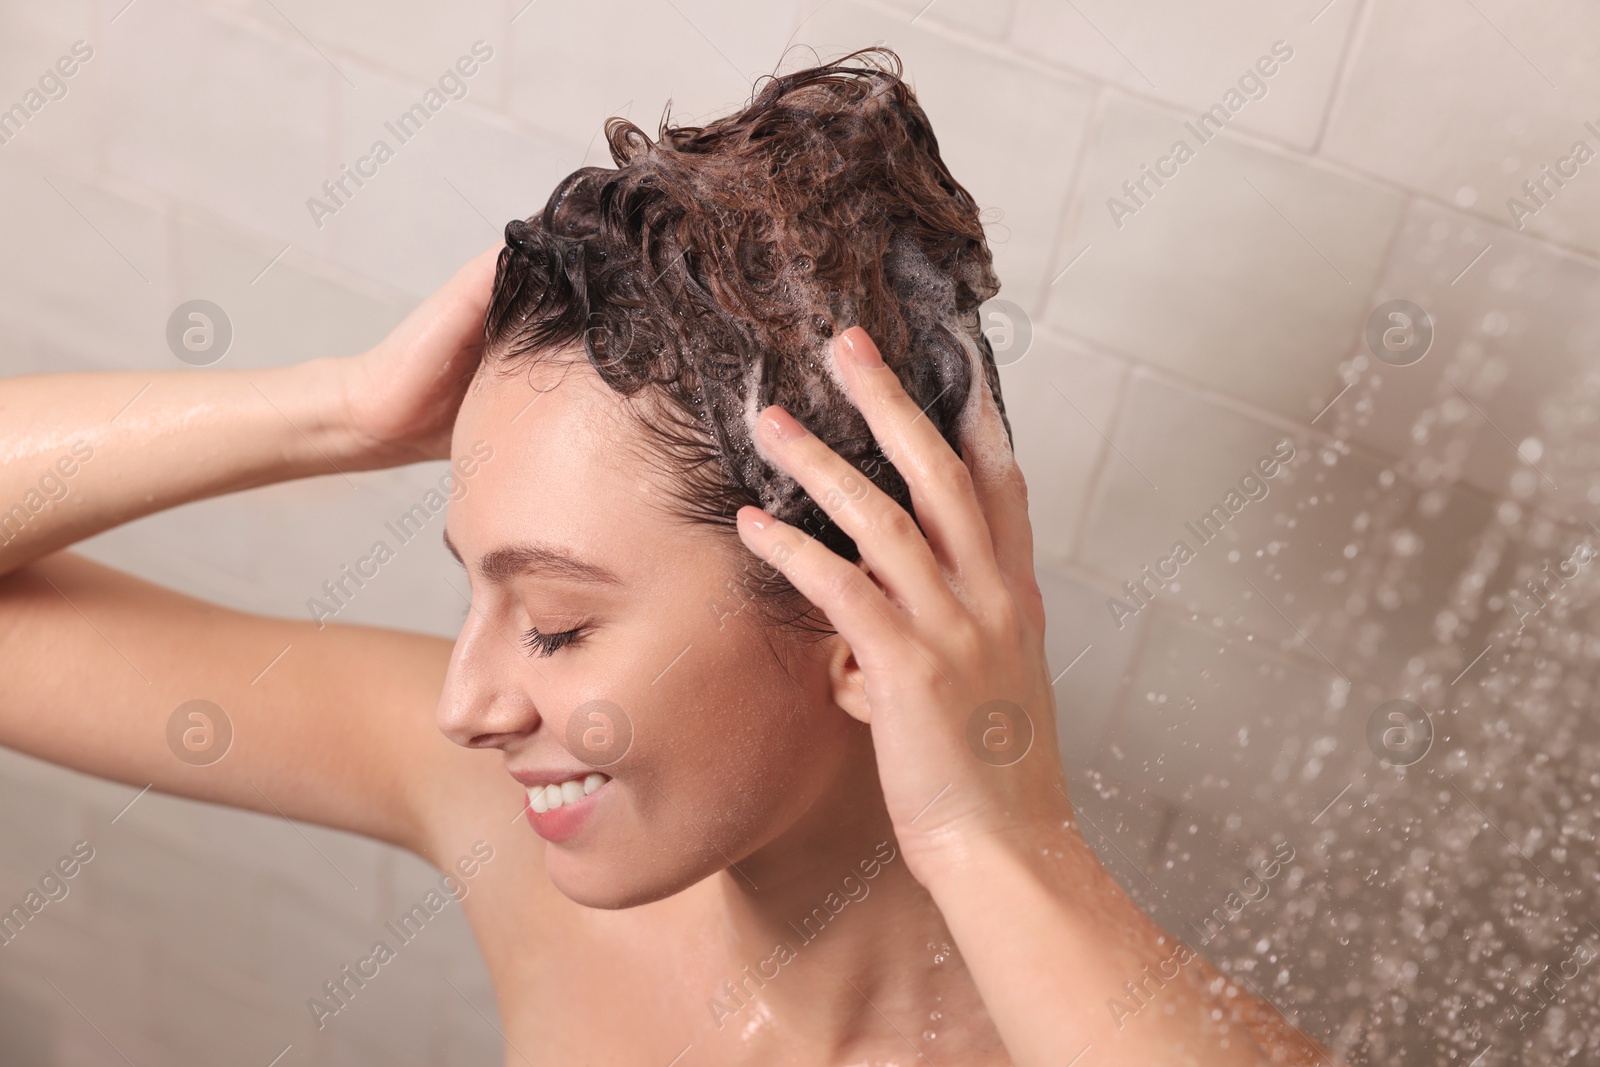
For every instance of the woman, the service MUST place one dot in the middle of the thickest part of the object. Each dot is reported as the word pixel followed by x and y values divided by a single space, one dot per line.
pixel 788 754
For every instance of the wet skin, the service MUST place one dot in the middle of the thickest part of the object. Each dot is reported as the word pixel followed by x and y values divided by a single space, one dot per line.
pixel 769 778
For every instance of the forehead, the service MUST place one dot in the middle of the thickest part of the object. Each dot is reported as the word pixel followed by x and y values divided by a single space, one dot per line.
pixel 566 464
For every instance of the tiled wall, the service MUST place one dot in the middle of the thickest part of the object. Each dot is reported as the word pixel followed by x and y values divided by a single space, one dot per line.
pixel 1176 340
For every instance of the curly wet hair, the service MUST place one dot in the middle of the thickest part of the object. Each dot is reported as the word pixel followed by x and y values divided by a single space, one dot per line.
pixel 710 269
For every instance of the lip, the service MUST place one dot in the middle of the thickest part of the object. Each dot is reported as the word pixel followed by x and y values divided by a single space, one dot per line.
pixel 564 822
pixel 542 776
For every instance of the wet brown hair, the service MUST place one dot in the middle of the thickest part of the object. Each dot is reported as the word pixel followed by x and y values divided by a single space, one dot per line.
pixel 708 272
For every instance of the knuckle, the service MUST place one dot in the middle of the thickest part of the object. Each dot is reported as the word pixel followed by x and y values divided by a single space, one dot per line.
pixel 967 639
pixel 895 524
pixel 954 473
pixel 1007 622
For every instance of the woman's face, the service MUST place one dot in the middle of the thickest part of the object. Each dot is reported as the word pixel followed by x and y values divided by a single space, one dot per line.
pixel 607 638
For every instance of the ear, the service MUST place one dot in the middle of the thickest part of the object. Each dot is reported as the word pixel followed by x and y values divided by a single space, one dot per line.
pixel 845 677
pixel 846 680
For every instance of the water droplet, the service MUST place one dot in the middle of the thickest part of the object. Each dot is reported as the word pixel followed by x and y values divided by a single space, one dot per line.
pixel 1405 543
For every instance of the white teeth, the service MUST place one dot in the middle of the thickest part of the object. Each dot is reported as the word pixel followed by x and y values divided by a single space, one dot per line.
pixel 543 798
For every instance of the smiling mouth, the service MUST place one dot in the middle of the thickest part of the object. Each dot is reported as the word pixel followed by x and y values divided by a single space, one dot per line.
pixel 543 798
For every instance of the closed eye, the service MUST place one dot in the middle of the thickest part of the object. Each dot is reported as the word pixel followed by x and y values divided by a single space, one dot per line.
pixel 544 645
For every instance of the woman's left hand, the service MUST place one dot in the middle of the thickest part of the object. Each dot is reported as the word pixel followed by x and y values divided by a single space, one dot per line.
pixel 401 396
pixel 947 629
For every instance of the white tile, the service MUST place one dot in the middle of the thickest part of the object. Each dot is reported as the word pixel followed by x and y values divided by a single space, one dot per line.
pixel 448 191
pixel 28 1025
pixel 105 971
pixel 1298 568
pixel 1468 101
pixel 1246 271
pixel 1512 365
pixel 32 349
pixel 1215 727
pixel 1060 399
pixel 1176 453
pixel 172 837
pixel 283 310
pixel 84 265
pixel 1193 55
pixel 1089 663
pixel 413 38
pixel 982 18
pixel 44 820
pixel 218 116
pixel 36 45
pixel 233 1022
pixel 703 60
pixel 47 781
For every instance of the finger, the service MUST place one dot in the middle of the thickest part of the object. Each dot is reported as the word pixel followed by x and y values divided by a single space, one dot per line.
pixel 855 607
pixel 1002 494
pixel 450 319
pixel 942 492
pixel 887 537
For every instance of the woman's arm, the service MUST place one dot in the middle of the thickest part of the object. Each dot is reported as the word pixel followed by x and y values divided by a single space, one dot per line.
pixel 86 452
pixel 947 633
pixel 1069 966
pixel 334 723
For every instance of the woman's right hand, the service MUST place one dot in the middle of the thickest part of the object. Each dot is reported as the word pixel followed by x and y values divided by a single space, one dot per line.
pixel 400 397
pixel 85 452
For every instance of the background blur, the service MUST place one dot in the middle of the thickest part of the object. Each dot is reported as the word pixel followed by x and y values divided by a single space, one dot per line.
pixel 1159 340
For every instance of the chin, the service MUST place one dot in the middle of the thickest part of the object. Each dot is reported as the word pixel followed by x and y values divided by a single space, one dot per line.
pixel 625 877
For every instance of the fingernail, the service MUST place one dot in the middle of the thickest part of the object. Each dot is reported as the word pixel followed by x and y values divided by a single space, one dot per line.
pixel 757 517
pixel 856 345
pixel 784 427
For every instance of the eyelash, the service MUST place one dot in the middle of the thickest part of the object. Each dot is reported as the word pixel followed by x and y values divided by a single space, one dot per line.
pixel 546 645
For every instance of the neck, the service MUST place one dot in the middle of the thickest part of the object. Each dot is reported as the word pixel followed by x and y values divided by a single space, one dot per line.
pixel 833 943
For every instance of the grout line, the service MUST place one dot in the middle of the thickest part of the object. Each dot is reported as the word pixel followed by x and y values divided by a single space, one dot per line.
pixel 1071 207
pixel 1343 73
pixel 1118 709
pixel 986 46
pixel 1090 499
pixel 1311 155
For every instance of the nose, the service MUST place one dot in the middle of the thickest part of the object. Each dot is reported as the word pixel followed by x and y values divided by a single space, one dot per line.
pixel 484 704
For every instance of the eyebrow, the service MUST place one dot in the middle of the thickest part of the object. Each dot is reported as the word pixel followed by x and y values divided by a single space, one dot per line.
pixel 503 564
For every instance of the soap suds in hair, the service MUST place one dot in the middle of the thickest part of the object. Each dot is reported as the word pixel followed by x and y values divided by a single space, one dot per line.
pixel 711 270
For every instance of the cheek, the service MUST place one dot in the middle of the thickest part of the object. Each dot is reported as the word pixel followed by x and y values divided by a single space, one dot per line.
pixel 741 738
pixel 728 749
pixel 735 710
